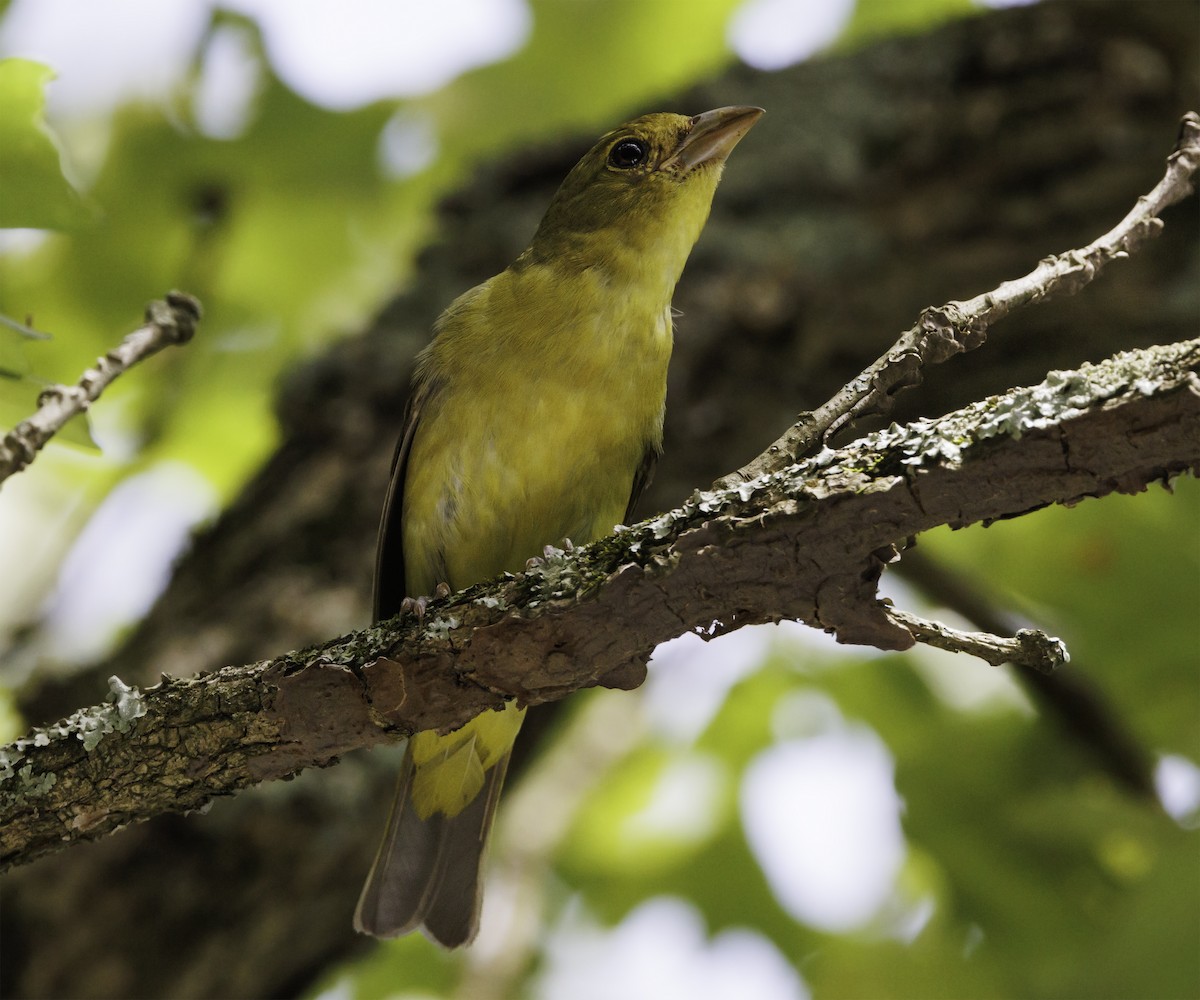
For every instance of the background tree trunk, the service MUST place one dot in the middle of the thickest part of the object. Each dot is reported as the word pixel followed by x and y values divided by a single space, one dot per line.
pixel 914 171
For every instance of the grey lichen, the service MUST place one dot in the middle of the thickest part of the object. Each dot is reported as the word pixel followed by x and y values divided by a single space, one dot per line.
pixel 126 704
pixel 495 603
pixel 554 574
pixel 747 489
pixel 35 787
pixel 128 701
pixel 662 526
pixel 873 461
pixel 9 759
pixel 440 628
pixel 1065 395
pixel 89 725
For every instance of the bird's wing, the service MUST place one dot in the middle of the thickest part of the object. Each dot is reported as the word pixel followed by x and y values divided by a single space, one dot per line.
pixel 390 589
pixel 642 477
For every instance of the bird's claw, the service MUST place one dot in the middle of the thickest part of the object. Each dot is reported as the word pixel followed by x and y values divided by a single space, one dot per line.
pixel 416 605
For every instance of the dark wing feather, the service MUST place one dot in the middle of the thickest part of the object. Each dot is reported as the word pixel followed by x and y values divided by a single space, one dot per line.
pixel 390 589
pixel 641 478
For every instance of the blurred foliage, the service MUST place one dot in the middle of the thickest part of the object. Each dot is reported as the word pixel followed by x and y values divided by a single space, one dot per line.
pixel 33 191
pixel 19 397
pixel 1125 597
pixel 1040 878
pixel 879 18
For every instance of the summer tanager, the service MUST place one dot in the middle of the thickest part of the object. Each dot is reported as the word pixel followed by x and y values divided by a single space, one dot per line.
pixel 536 415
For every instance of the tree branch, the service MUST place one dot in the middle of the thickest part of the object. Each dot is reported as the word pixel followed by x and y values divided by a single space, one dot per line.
pixel 806 543
pixel 943 331
pixel 169 321
pixel 1028 648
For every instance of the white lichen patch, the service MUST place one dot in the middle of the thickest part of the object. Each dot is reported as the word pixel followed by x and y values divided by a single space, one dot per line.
pixel 126 704
pixel 747 489
pixel 553 574
pixel 35 787
pixel 440 628
pixel 9 759
pixel 495 603
pixel 663 526
pixel 90 725
pixel 128 701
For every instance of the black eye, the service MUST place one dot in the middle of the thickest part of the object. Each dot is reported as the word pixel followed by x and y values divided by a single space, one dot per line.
pixel 629 153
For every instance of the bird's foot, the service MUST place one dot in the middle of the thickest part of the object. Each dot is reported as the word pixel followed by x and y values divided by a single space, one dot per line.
pixel 417 605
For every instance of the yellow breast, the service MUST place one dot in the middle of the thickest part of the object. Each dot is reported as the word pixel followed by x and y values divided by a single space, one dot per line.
pixel 545 391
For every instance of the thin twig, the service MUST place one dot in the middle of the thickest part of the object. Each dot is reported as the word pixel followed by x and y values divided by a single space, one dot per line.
pixel 1029 647
pixel 169 321
pixel 944 331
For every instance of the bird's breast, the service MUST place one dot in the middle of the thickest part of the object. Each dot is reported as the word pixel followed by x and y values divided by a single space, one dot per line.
pixel 539 423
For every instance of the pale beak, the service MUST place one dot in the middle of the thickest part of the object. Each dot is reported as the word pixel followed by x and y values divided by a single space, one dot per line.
pixel 712 137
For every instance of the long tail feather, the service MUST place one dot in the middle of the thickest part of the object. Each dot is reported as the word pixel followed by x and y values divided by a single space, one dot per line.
pixel 427 871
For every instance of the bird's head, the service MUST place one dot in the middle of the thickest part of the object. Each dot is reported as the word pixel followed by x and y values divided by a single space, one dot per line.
pixel 644 187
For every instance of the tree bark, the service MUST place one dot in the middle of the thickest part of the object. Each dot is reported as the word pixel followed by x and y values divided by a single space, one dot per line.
pixel 921 169
pixel 800 544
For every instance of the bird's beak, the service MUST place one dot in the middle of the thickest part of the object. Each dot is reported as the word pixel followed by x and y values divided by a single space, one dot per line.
pixel 712 137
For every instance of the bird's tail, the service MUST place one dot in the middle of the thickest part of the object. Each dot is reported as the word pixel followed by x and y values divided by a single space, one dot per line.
pixel 427 870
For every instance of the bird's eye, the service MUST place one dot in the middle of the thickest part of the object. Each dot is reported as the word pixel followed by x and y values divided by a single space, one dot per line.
pixel 628 153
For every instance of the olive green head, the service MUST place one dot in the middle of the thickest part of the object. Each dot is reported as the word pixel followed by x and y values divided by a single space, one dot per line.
pixel 646 185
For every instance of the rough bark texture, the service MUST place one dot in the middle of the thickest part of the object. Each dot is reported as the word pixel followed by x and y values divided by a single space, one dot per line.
pixel 919 170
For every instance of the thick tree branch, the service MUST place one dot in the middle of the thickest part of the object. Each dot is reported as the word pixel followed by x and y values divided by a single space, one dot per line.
pixel 942 332
pixel 169 321
pixel 805 543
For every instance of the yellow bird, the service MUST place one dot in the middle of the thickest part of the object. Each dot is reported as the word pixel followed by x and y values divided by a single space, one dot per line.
pixel 536 415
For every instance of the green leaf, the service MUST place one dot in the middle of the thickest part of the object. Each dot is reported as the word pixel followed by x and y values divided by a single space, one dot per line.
pixel 33 191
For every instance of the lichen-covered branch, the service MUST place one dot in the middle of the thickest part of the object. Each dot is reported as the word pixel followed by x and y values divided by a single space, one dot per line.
pixel 943 331
pixel 169 321
pixel 808 542
pixel 1029 647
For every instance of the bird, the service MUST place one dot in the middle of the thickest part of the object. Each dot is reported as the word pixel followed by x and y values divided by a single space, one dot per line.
pixel 535 416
